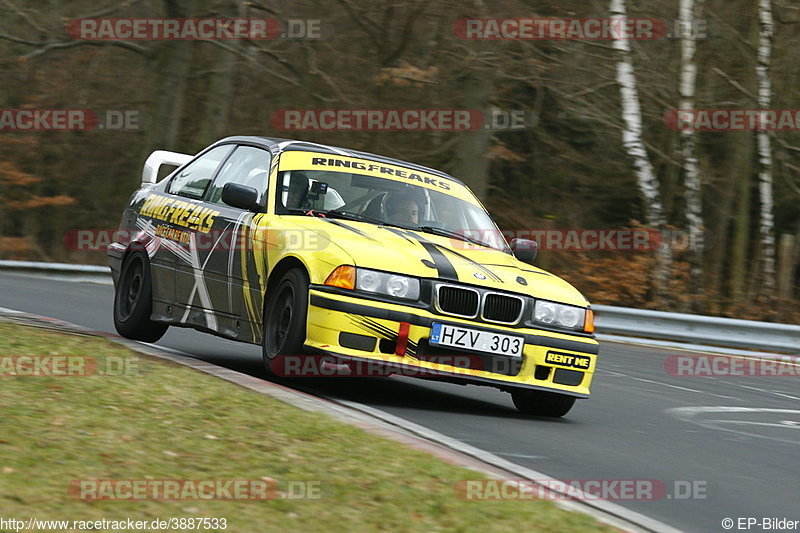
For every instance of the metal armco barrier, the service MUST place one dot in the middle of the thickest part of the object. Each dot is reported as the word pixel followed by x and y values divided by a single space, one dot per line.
pixel 33 266
pixel 88 273
pixel 698 329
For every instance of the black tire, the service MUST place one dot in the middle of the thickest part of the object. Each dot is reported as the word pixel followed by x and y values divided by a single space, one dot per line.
pixel 542 403
pixel 285 314
pixel 133 301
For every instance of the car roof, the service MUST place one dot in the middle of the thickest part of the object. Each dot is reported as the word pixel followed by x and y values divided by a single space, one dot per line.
pixel 277 145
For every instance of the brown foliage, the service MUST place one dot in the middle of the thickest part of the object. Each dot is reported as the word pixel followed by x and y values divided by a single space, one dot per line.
pixel 406 75
pixel 11 175
pixel 35 202
pixel 17 248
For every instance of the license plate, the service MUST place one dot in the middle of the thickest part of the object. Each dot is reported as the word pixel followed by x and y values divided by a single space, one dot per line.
pixel 472 339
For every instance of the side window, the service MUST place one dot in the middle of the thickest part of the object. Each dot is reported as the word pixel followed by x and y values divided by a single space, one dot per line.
pixel 193 179
pixel 247 166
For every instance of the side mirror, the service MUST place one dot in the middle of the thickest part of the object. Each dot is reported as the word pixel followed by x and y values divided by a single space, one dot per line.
pixel 525 250
pixel 241 196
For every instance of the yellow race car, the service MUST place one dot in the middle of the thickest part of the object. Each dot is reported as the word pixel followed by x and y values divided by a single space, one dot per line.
pixel 326 256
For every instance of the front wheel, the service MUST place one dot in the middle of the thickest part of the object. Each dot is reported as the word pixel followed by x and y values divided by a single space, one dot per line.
pixel 285 316
pixel 542 403
pixel 133 301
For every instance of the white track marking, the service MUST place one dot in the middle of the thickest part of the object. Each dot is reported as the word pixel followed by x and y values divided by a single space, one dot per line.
pixel 695 416
pixel 668 385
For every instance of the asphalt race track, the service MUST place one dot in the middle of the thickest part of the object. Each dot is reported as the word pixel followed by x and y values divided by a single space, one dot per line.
pixel 640 423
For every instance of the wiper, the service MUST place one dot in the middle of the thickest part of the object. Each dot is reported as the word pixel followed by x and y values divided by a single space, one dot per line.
pixel 349 215
pixel 302 211
pixel 448 233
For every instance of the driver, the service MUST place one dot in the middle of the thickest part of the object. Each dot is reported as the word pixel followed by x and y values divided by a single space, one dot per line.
pixel 298 190
pixel 402 209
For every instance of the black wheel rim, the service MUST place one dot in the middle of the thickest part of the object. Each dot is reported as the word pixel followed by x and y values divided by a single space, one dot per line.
pixel 130 289
pixel 280 320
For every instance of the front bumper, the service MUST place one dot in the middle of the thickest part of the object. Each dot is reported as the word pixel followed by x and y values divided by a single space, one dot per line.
pixel 360 329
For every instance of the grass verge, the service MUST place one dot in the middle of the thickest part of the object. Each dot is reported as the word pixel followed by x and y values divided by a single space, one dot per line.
pixel 155 420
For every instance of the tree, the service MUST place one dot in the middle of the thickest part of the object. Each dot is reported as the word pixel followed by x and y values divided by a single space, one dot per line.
pixel 649 186
pixel 765 185
pixel 689 11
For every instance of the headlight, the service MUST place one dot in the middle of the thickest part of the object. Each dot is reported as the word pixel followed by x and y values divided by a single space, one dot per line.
pixel 368 280
pixel 564 316
pixel 545 312
pixel 393 285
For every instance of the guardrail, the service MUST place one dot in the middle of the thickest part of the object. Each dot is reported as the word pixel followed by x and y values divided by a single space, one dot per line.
pixel 698 329
pixel 612 320
pixel 33 266
pixel 89 273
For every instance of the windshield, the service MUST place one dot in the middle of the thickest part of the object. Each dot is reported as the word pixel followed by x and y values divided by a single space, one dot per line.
pixel 388 201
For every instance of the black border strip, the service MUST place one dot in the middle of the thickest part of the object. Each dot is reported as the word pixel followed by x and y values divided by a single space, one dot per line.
pixel 425 303
pixel 400 316
pixel 443 375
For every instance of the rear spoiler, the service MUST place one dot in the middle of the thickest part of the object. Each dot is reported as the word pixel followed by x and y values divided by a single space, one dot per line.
pixel 158 158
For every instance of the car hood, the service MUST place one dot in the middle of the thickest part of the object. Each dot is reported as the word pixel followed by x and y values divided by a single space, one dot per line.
pixel 425 255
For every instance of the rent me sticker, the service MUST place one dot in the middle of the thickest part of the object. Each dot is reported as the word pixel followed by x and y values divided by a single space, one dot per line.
pixel 567 359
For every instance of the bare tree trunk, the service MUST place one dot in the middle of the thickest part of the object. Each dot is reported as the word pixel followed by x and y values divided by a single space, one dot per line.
pixel 689 11
pixel 220 95
pixel 218 98
pixel 786 247
pixel 470 157
pixel 632 141
pixel 767 222
pixel 795 263
pixel 173 64
pixel 740 252
pixel 730 251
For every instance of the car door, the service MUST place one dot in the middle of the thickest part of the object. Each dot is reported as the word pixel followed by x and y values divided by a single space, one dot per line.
pixel 191 223
pixel 228 273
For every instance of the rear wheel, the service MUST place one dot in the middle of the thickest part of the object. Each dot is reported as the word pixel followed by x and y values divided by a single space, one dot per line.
pixel 285 316
pixel 133 301
pixel 542 403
